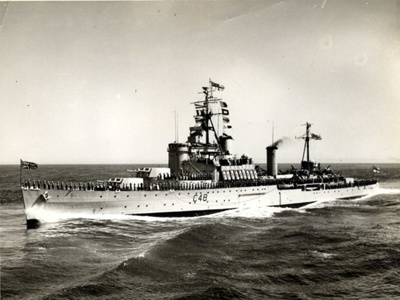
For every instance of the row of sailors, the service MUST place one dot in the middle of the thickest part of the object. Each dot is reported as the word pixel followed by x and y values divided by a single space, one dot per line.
pixel 160 185
pixel 104 186
pixel 51 185
pixel 184 176
pixel 163 186
pixel 226 175
pixel 173 185
pixel 326 186
pixel 239 175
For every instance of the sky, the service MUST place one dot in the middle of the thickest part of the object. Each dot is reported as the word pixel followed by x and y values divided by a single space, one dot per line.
pixel 100 82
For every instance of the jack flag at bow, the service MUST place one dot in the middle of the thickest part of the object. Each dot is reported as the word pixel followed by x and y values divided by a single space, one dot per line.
pixel 28 165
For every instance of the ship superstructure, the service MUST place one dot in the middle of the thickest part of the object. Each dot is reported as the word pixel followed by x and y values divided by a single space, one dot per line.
pixel 203 176
pixel 208 151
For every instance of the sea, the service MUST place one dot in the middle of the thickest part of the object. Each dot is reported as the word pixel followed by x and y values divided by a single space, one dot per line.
pixel 340 249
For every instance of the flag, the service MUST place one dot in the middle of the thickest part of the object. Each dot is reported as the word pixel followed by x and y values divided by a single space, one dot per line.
pixel 375 169
pixel 218 86
pixel 225 119
pixel 28 165
pixel 316 136
pixel 225 112
pixel 223 104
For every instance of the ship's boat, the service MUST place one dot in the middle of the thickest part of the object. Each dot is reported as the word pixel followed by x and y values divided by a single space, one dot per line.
pixel 203 177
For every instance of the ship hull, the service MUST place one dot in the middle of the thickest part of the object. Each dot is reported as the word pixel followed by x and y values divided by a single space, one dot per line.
pixel 76 203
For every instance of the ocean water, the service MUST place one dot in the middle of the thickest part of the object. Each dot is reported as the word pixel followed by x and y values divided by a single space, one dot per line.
pixel 338 249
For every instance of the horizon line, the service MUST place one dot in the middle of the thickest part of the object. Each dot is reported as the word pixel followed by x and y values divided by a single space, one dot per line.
pixel 256 163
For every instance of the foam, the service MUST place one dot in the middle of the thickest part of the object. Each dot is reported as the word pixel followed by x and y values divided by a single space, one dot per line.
pixel 251 212
pixel 387 191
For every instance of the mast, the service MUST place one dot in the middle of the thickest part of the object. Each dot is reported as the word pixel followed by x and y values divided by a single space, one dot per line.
pixel 273 129
pixel 307 137
pixel 176 127
pixel 208 91
pixel 204 114
pixel 307 141
pixel 207 112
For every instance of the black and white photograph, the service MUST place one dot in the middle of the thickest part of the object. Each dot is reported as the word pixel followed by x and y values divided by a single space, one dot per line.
pixel 200 149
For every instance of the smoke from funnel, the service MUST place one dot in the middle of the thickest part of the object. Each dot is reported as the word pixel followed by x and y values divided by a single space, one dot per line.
pixel 278 142
pixel 272 165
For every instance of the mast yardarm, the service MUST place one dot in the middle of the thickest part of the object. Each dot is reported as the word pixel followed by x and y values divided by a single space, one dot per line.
pixel 307 138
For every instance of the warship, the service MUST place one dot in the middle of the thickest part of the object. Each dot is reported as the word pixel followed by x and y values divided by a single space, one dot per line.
pixel 203 177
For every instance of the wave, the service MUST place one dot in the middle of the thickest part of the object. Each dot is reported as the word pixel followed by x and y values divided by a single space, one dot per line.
pixel 203 263
pixel 388 191
pixel 179 257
